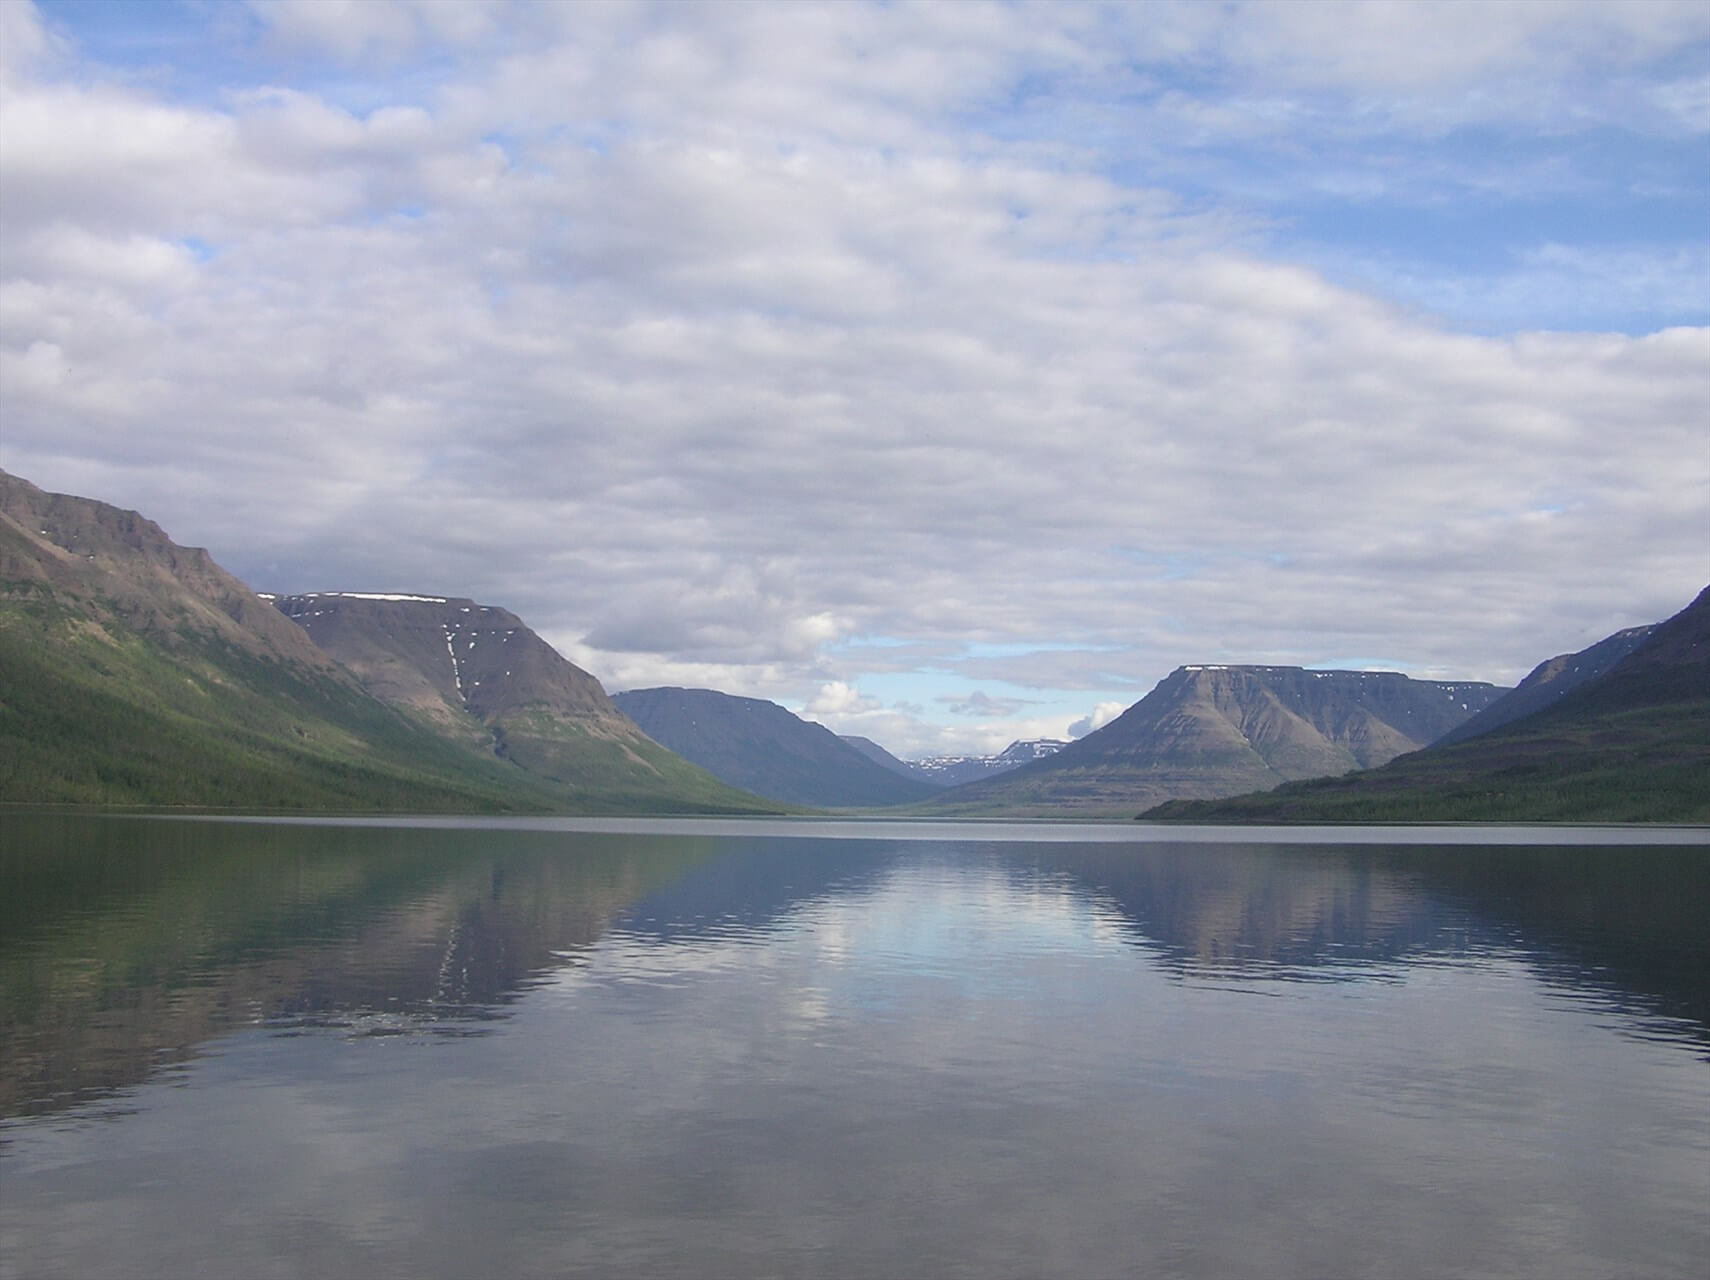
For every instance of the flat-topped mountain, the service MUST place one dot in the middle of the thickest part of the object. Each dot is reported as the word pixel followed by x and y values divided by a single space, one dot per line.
pixel 1630 743
pixel 763 748
pixel 111 566
pixel 137 671
pixel 1214 730
pixel 481 675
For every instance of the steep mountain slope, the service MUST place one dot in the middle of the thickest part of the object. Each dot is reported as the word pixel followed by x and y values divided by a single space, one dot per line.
pixel 1549 681
pixel 1223 730
pixel 761 747
pixel 878 755
pixel 137 671
pixel 1629 745
pixel 482 677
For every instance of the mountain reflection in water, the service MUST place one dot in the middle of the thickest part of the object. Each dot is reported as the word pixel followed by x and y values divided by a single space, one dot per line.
pixel 124 944
pixel 356 1050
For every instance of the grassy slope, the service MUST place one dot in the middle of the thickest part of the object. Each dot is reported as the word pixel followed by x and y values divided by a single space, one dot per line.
pixel 101 715
pixel 617 776
pixel 1594 761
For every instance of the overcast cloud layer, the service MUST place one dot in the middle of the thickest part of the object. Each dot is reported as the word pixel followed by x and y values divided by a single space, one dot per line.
pixel 947 372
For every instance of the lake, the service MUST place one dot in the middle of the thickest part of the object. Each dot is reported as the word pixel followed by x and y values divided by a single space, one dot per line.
pixel 548 1048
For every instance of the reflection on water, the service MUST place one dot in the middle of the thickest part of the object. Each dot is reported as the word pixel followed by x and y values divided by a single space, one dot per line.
pixel 438 1050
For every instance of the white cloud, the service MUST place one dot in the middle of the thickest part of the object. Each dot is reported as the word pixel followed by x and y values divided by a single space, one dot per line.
pixel 1097 718
pixel 836 699
pixel 707 338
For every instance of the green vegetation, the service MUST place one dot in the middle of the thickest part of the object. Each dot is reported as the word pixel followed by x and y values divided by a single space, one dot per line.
pixel 1586 763
pixel 93 714
pixel 633 775
pixel 178 929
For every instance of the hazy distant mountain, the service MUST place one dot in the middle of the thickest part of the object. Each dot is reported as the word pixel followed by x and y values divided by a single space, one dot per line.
pixel 1631 744
pixel 137 671
pixel 482 677
pixel 761 747
pixel 1549 681
pixel 1224 730
pixel 878 755
pixel 952 771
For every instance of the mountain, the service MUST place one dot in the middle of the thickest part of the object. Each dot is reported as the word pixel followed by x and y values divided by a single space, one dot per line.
pixel 953 771
pixel 1224 730
pixel 481 677
pixel 1549 681
pixel 878 755
pixel 1631 744
pixel 137 671
pixel 761 747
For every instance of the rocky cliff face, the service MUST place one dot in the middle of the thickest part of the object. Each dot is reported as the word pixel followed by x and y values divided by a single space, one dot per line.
pixel 137 671
pixel 479 673
pixel 1628 743
pixel 1223 730
pixel 450 657
pixel 115 566
pixel 134 670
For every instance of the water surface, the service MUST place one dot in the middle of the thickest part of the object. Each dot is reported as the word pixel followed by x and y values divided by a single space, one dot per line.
pixel 455 1048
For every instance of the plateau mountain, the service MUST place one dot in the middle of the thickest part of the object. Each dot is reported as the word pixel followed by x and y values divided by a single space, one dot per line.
pixel 1628 743
pixel 480 676
pixel 1223 730
pixel 134 670
pixel 761 747
pixel 137 671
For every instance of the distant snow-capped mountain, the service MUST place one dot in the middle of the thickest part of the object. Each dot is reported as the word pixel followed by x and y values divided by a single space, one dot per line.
pixel 952 771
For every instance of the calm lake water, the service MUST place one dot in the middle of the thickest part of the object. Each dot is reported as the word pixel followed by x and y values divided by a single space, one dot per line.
pixel 794 1049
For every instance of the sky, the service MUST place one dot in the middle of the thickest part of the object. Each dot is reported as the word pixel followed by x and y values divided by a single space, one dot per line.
pixel 948 373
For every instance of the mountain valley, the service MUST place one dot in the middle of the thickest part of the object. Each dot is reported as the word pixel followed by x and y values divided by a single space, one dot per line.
pixel 134 671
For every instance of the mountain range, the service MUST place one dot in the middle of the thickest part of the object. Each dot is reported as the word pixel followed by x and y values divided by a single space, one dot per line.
pixel 953 771
pixel 479 675
pixel 1223 730
pixel 137 671
pixel 1619 732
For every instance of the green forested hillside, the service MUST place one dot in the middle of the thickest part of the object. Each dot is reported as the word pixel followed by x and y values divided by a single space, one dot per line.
pixel 134 671
pixel 1632 745
pixel 96 714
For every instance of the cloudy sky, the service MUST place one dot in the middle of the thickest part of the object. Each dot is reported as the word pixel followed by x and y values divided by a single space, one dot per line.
pixel 946 372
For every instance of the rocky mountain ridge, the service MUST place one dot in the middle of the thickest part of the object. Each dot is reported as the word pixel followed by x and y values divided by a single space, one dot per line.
pixel 134 670
pixel 482 675
pixel 1223 729
pixel 1629 742
pixel 953 771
